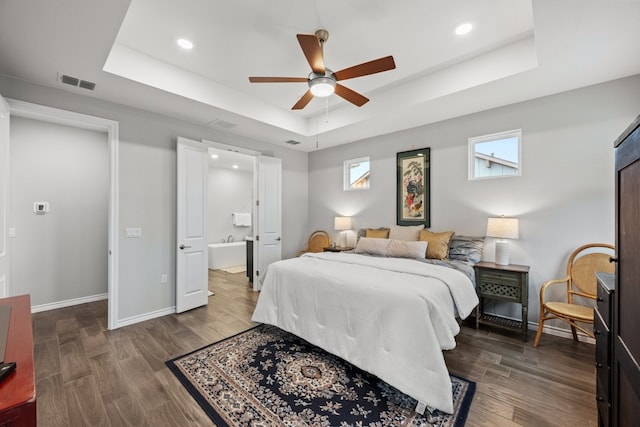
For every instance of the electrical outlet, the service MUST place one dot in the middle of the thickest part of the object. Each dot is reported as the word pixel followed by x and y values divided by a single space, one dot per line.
pixel 164 279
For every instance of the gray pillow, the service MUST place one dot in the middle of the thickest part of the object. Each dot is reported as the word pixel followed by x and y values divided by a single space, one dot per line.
pixel 466 248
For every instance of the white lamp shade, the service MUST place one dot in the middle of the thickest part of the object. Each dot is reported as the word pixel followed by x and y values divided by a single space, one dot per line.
pixel 502 228
pixel 342 223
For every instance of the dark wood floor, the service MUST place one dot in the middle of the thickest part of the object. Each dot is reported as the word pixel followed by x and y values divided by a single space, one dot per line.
pixel 89 376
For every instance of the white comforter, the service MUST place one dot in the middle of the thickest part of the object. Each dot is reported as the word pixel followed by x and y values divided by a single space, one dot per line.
pixel 391 317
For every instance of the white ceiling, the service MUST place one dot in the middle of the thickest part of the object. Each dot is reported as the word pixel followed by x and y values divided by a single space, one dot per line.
pixel 519 50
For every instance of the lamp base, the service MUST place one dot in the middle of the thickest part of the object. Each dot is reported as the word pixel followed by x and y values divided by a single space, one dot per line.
pixel 502 253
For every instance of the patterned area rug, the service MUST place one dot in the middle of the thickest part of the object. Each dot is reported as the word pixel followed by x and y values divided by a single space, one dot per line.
pixel 268 377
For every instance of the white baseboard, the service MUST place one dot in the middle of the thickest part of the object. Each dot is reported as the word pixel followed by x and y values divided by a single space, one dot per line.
pixel 146 316
pixel 564 333
pixel 67 303
pixel 554 330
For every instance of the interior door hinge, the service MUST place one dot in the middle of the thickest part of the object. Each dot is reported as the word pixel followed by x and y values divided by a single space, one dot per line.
pixel 257 272
pixel 257 202
pixel 258 237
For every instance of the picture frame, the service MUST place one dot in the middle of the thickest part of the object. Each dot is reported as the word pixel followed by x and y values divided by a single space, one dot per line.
pixel 413 192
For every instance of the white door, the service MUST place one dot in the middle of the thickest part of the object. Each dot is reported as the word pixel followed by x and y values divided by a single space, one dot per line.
pixel 4 186
pixel 191 227
pixel 268 244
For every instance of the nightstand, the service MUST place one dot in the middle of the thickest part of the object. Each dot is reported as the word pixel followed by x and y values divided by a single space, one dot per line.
pixel 502 283
pixel 336 249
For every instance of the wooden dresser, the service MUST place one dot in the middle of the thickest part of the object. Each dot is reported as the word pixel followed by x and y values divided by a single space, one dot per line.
pixel 602 321
pixel 625 375
pixel 18 390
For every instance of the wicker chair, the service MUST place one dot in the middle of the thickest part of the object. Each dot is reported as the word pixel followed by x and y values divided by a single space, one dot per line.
pixel 317 241
pixel 580 280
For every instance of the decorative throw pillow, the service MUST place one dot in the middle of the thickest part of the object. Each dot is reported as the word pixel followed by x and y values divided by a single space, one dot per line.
pixel 438 243
pixel 372 246
pixel 405 232
pixel 407 249
pixel 466 248
pixel 377 233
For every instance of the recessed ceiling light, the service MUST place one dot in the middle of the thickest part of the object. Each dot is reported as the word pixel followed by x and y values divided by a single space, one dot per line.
pixel 214 156
pixel 463 28
pixel 185 44
pixel 235 166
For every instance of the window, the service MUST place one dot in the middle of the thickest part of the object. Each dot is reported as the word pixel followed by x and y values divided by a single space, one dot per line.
pixel 356 174
pixel 496 155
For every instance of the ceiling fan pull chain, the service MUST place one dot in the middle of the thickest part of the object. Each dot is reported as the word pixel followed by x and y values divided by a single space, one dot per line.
pixel 326 119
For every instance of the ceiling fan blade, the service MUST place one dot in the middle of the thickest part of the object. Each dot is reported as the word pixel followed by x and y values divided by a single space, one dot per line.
pixel 302 102
pixel 312 50
pixel 351 96
pixel 278 79
pixel 376 66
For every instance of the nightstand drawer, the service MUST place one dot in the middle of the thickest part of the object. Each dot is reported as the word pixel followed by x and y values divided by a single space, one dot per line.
pixel 493 289
pixel 500 277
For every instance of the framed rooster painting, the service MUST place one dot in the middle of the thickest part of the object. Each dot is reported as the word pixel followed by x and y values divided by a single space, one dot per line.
pixel 413 193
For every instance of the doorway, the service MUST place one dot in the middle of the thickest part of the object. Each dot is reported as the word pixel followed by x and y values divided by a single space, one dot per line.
pixel 53 219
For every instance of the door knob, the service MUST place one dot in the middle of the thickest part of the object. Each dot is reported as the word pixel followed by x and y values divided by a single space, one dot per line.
pixel 184 247
pixel 278 239
pixel 612 259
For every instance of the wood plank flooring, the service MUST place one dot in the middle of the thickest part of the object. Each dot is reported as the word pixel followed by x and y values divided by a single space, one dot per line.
pixel 89 376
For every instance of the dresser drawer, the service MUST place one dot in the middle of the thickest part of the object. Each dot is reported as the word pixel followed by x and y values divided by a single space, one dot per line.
pixel 603 302
pixel 603 362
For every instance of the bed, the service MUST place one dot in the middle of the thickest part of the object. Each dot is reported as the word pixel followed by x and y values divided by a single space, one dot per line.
pixel 391 317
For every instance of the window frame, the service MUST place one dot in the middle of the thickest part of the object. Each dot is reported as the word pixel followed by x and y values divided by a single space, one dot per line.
pixel 346 175
pixel 473 141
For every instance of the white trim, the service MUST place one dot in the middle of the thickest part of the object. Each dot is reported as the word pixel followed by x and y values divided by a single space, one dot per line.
pixel 68 303
pixel 233 148
pixel 147 316
pixel 564 333
pixel 111 127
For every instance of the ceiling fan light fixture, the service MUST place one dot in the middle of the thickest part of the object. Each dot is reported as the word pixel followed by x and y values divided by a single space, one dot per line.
pixel 322 86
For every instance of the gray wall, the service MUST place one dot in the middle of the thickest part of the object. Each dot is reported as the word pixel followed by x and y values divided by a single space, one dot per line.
pixel 60 255
pixel 147 177
pixel 564 198
pixel 229 191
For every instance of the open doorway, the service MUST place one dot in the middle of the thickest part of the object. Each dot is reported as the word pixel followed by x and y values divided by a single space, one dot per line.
pixel 230 217
pixel 62 208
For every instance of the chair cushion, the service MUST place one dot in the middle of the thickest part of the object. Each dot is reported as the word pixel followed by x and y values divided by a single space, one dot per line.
pixel 578 312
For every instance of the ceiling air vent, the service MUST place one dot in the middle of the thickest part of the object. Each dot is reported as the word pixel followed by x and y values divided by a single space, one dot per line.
pixel 74 81
pixel 223 124
pixel 70 80
pixel 292 142
pixel 84 84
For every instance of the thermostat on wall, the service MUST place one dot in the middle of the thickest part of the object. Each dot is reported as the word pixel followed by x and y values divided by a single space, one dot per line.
pixel 40 208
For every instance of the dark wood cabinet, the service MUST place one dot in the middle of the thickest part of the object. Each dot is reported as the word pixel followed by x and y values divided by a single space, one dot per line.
pixel 250 260
pixel 625 374
pixel 18 390
pixel 602 321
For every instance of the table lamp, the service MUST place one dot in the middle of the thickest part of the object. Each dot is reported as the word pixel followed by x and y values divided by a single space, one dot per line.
pixel 502 228
pixel 342 224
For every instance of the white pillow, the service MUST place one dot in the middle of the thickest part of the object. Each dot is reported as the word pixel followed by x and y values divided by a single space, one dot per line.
pixel 406 249
pixel 372 246
pixel 405 232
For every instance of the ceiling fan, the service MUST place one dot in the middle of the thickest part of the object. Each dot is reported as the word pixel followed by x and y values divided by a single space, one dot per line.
pixel 322 81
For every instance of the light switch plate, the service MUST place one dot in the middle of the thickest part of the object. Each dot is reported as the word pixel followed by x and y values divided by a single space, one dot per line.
pixel 133 232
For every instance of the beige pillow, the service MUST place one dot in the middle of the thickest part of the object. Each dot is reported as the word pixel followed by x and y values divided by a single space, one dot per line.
pixel 407 249
pixel 372 246
pixel 438 247
pixel 377 233
pixel 406 232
